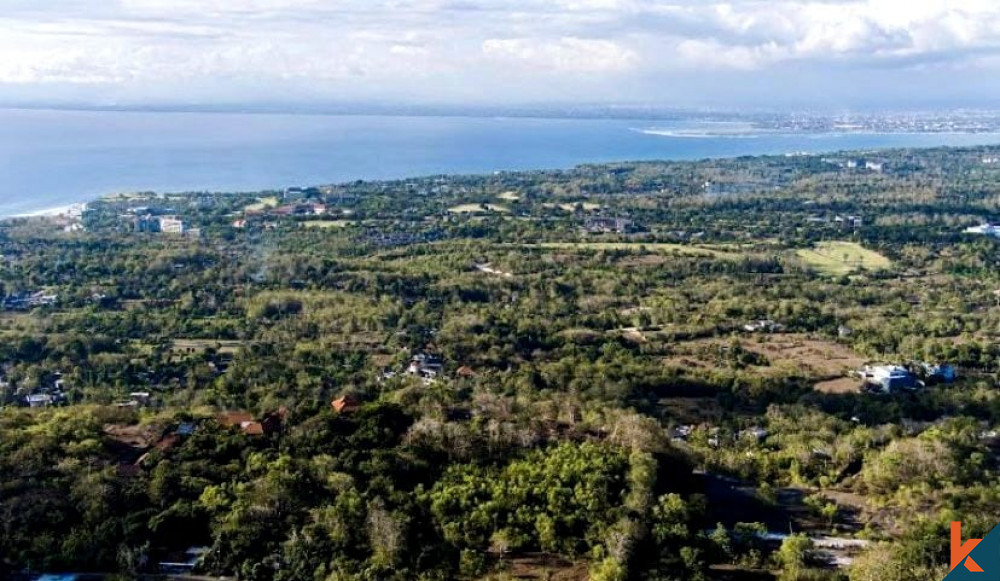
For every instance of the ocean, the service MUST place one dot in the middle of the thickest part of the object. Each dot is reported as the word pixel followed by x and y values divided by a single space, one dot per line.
pixel 52 159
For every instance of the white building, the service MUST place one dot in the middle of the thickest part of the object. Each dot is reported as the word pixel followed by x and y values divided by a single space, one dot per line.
pixel 76 211
pixel 889 378
pixel 986 229
pixel 40 400
pixel 172 225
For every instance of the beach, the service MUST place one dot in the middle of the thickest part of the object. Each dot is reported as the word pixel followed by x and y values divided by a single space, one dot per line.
pixel 68 211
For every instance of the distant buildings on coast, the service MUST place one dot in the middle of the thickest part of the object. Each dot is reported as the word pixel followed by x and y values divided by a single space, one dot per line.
pixel 876 166
pixel 161 224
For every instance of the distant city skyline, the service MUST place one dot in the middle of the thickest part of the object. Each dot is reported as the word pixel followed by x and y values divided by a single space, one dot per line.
pixel 829 55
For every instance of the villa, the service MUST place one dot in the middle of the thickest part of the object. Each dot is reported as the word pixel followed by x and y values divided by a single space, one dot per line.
pixel 985 229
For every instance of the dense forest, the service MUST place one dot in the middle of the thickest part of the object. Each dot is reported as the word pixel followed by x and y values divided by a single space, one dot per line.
pixel 636 371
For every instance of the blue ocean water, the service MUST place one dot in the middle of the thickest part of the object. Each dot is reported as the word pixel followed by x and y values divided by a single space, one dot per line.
pixel 55 158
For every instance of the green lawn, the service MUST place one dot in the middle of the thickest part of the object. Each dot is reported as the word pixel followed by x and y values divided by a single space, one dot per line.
pixel 326 223
pixel 838 258
pixel 587 206
pixel 477 208
pixel 662 247
pixel 262 204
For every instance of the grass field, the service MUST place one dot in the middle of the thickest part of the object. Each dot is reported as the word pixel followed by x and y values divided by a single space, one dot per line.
pixel 817 358
pixel 509 196
pixel 326 224
pixel 587 206
pixel 840 385
pixel 124 196
pixel 838 258
pixel 200 345
pixel 262 204
pixel 662 247
pixel 477 208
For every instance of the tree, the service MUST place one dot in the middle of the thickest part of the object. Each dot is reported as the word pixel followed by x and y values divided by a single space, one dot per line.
pixel 794 553
pixel 893 562
pixel 386 533
pixel 608 570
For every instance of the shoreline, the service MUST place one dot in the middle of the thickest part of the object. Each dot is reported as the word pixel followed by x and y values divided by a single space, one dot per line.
pixel 65 210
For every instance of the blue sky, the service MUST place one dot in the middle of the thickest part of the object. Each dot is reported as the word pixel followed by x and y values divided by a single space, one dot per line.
pixel 740 53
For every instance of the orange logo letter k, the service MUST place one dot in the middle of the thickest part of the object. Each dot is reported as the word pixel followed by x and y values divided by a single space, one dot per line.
pixel 959 552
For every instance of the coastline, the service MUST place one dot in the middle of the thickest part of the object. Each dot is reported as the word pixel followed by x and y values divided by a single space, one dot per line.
pixel 248 154
pixel 66 210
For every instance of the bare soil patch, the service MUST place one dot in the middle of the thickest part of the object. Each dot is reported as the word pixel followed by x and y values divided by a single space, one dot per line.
pixel 543 566
pixel 842 385
pixel 137 436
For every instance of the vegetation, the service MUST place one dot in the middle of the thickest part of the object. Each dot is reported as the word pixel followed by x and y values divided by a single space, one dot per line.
pixel 839 258
pixel 405 380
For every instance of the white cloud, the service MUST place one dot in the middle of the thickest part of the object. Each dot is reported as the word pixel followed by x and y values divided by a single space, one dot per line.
pixel 758 34
pixel 569 54
pixel 711 53
pixel 373 47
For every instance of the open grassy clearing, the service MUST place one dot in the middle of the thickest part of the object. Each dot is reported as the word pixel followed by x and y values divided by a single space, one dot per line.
pixel 837 258
pixel 587 206
pixel 540 566
pixel 820 359
pixel 662 247
pixel 840 385
pixel 125 196
pixel 262 204
pixel 510 196
pixel 200 345
pixel 477 208
pixel 326 224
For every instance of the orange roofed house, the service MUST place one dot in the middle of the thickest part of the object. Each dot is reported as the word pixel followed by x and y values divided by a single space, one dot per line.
pixel 243 420
pixel 346 404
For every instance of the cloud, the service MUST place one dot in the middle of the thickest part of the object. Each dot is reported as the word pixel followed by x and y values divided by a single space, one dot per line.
pixel 453 48
pixel 758 34
pixel 568 54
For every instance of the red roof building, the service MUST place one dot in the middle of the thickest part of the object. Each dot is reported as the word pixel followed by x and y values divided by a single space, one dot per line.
pixel 242 420
pixel 346 404
pixel 230 419
pixel 252 428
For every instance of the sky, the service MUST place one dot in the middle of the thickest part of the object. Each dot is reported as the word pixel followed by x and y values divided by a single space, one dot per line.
pixel 767 54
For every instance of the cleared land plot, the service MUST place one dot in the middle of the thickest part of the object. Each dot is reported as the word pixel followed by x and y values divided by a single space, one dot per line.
pixel 509 196
pixel 838 258
pixel 817 358
pixel 478 208
pixel 659 247
pixel 841 385
pixel 124 196
pixel 200 345
pixel 136 436
pixel 262 204
pixel 326 224
pixel 542 567
pixel 587 206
